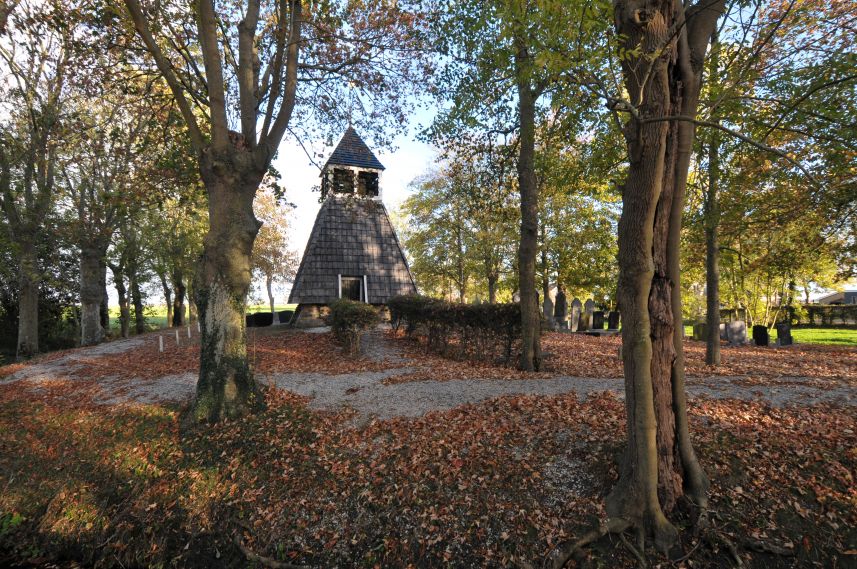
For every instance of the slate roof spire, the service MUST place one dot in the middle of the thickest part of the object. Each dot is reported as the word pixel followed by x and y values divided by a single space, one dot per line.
pixel 352 151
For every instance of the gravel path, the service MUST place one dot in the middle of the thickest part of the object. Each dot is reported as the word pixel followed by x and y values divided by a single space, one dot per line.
pixel 366 393
pixel 67 366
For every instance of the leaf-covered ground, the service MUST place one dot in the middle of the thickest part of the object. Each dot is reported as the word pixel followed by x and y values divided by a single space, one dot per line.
pixel 579 355
pixel 489 484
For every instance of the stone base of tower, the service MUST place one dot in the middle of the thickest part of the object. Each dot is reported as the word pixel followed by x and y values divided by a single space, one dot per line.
pixel 310 316
pixel 315 315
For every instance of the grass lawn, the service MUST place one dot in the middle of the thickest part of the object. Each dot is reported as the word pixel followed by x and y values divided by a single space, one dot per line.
pixel 830 336
pixel 156 315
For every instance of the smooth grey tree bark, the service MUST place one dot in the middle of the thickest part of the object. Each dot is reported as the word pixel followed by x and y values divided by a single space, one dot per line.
pixel 91 294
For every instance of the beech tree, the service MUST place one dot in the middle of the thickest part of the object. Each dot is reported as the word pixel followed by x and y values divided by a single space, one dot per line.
pixel 254 59
pixel 662 48
pixel 37 63
pixel 98 176
pixel 665 47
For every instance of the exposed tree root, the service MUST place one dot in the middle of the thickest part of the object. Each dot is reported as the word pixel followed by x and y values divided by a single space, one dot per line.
pixel 262 560
pixel 638 553
pixel 765 547
pixel 715 538
pixel 564 551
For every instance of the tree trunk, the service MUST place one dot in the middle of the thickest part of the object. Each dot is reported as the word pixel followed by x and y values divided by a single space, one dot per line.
pixel 122 295
pixel 712 255
pixel 28 301
pixel 178 299
pixel 529 244
pixel 192 315
pixel 462 278
pixel 546 284
pixel 168 298
pixel 104 309
pixel 660 466
pixel 711 213
pixel 137 300
pixel 269 281
pixel 226 387
pixel 91 296
pixel 492 288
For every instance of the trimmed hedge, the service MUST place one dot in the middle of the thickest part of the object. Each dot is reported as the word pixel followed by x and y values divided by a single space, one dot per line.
pixel 285 316
pixel 349 319
pixel 263 319
pixel 259 319
pixel 478 331
pixel 825 315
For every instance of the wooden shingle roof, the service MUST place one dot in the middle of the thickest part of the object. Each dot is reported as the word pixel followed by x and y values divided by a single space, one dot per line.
pixel 352 236
pixel 352 151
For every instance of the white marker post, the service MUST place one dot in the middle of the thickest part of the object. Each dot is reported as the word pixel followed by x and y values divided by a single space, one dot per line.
pixel 198 329
pixel 188 331
pixel 160 343
pixel 177 336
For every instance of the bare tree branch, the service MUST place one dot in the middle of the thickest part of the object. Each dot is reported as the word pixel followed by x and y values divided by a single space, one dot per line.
pixel 207 26
pixel 248 71
pixel 272 139
pixel 740 136
pixel 166 69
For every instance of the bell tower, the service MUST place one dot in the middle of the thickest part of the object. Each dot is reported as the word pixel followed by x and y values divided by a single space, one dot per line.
pixel 353 251
pixel 352 169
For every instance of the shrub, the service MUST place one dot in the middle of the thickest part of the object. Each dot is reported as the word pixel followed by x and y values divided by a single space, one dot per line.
pixel 479 331
pixel 349 319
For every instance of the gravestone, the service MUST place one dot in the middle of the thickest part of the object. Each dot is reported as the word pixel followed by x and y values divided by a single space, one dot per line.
pixel 598 320
pixel 700 331
pixel 586 316
pixel 736 332
pixel 547 310
pixel 560 309
pixel 723 335
pixel 573 323
pixel 760 335
pixel 784 334
pixel 613 320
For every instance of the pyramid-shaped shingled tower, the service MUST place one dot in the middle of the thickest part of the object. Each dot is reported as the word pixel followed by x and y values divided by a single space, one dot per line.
pixel 352 151
pixel 353 251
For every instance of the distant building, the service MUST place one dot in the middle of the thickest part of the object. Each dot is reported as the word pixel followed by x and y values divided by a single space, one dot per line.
pixel 353 251
pixel 844 297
